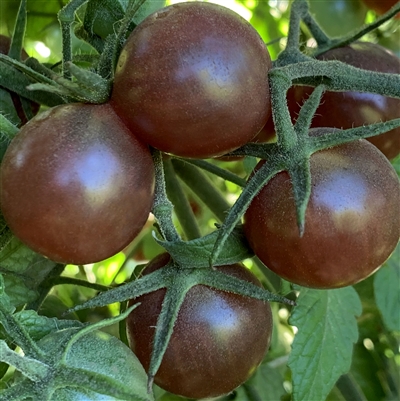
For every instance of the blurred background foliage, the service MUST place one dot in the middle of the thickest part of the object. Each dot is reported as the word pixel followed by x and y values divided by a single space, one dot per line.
pixel 376 361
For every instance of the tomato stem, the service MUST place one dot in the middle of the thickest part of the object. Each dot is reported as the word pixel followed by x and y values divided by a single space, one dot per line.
pixel 181 204
pixel 31 368
pixel 162 207
pixel 66 17
pixel 202 186
pixel 218 171
pixel 357 34
pixel 19 32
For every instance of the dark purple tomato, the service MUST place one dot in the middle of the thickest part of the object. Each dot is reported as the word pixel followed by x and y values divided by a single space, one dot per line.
pixel 15 101
pixel 192 80
pixel 381 6
pixel 353 109
pixel 76 186
pixel 218 341
pixel 352 220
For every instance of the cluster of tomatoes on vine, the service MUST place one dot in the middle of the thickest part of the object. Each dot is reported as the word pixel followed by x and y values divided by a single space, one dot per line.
pixel 77 181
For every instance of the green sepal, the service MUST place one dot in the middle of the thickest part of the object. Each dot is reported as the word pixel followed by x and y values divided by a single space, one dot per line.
pixel 195 253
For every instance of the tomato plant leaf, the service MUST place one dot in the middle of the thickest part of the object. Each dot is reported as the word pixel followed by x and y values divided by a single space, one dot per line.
pixel 387 291
pixel 39 326
pixel 23 271
pixel 322 348
pixel 17 290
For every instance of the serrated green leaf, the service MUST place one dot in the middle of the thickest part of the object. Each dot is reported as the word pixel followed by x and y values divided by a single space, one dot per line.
pixel 17 291
pixel 196 253
pixel 23 271
pixel 387 291
pixel 322 348
pixel 18 258
pixel 39 326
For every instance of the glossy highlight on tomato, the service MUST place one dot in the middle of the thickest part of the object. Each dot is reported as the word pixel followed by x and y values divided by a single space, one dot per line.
pixel 352 220
pixel 192 80
pixel 353 109
pixel 218 341
pixel 76 186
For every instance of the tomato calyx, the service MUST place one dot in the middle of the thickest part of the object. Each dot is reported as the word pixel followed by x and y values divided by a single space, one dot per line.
pixel 177 279
pixel 291 153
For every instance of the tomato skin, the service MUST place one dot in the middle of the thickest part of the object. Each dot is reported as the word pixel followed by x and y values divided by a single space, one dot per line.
pixel 76 186
pixel 353 109
pixel 192 81
pixel 352 220
pixel 218 341
pixel 381 6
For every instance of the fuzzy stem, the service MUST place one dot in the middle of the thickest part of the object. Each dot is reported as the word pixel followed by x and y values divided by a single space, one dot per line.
pixel 181 204
pixel 350 389
pixel 75 281
pixel 319 35
pixel 298 10
pixel 218 171
pixel 162 207
pixel 357 34
pixel 338 76
pixel 19 32
pixel 16 331
pixel 66 17
pixel 46 286
pixel 200 184
pixel 279 84
pixel 31 368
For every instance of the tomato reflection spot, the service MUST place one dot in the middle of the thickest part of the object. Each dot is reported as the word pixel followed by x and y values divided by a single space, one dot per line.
pixel 95 171
pixel 343 194
pixel 218 315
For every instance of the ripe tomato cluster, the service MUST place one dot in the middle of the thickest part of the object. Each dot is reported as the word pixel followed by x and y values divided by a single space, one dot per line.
pixel 77 183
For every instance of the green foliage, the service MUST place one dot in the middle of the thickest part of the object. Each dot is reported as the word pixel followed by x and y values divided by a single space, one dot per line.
pixel 333 345
pixel 387 291
pixel 322 348
pixel 24 272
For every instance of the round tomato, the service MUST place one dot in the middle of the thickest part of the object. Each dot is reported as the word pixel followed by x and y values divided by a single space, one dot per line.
pixel 352 220
pixel 353 109
pixel 218 341
pixel 76 186
pixel 381 6
pixel 192 80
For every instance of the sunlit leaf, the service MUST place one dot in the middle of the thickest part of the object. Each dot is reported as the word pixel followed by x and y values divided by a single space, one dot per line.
pixel 387 291
pixel 322 348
